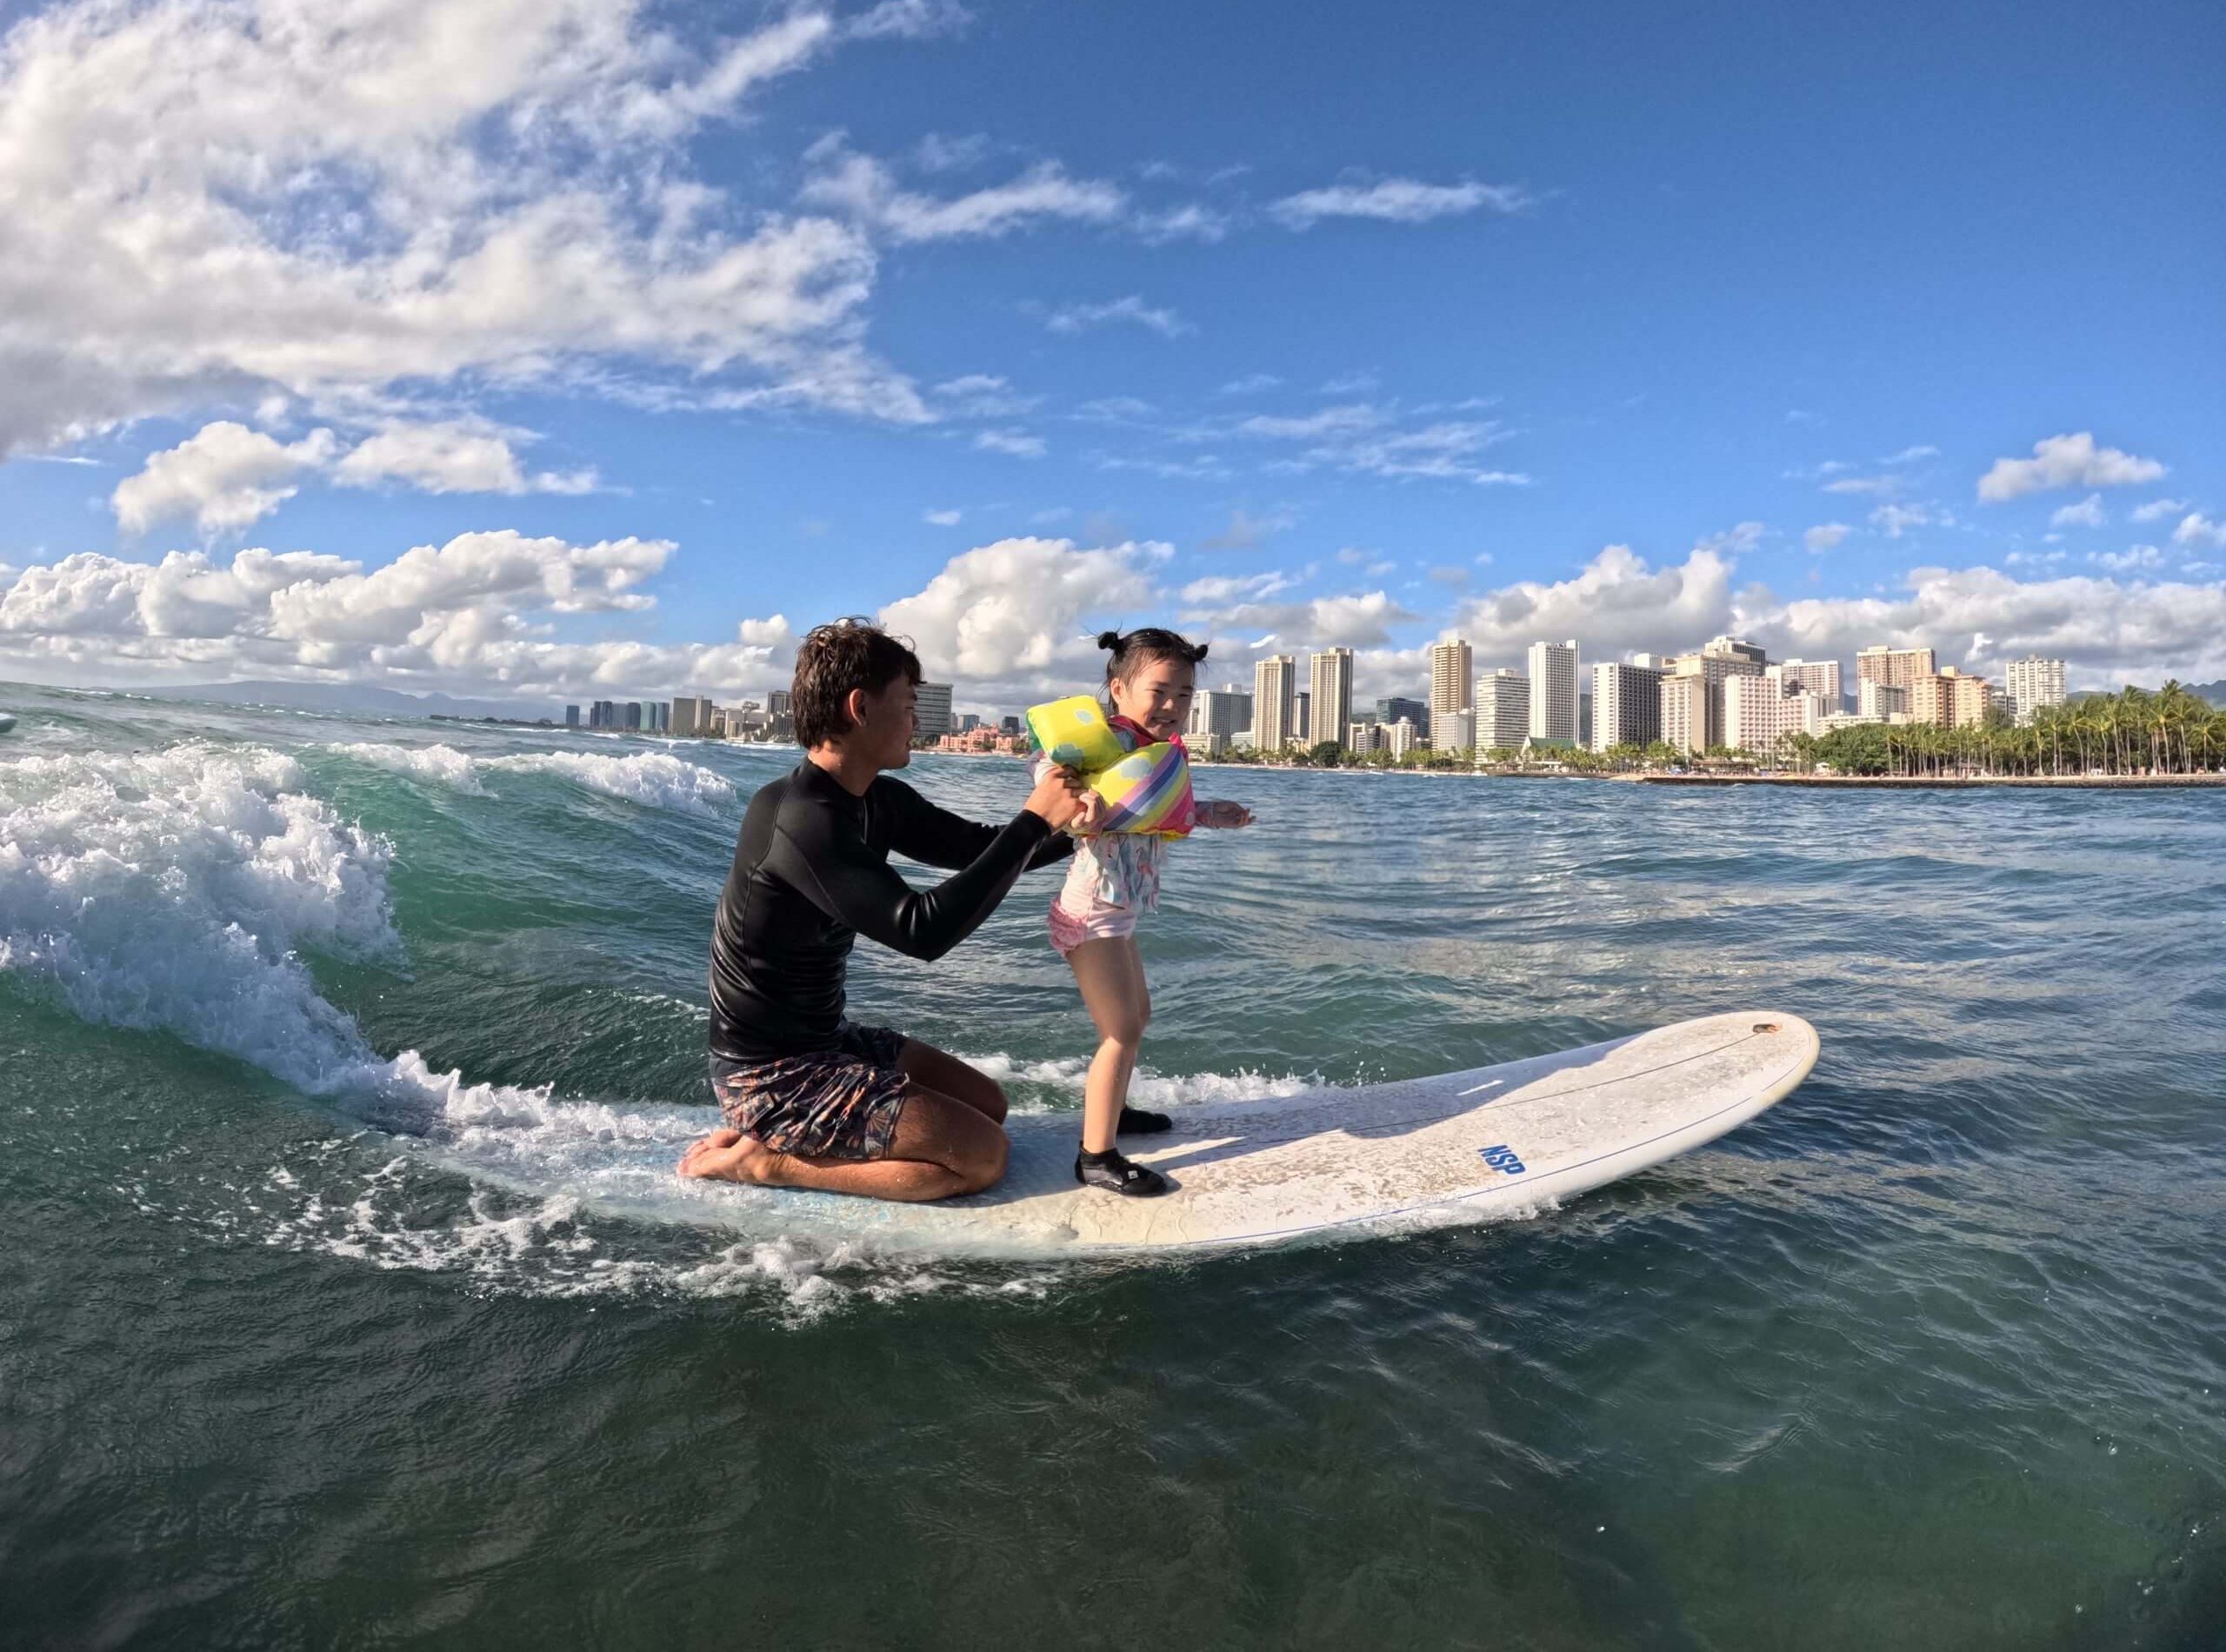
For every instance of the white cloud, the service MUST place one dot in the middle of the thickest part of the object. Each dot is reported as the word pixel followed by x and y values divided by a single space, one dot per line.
pixel 1397 201
pixel 1894 521
pixel 1350 437
pixel 475 614
pixel 2131 560
pixel 225 477
pixel 2065 461
pixel 941 518
pixel 2195 529
pixel 1826 536
pixel 1017 615
pixel 2088 513
pixel 1361 620
pixel 1219 591
pixel 982 396
pixel 1910 455
pixel 1615 605
pixel 454 455
pixel 1245 533
pixel 864 189
pixel 908 20
pixel 1073 318
pixel 228 477
pixel 1733 543
pixel 201 203
pixel 1018 443
pixel 2157 509
pixel 1864 484
pixel 1250 385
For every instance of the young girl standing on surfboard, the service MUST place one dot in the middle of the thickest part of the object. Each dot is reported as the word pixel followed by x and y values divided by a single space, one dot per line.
pixel 1115 880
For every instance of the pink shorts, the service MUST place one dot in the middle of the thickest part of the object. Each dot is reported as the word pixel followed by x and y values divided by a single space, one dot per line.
pixel 1101 922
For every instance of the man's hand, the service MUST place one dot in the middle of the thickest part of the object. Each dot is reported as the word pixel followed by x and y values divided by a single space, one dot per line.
pixel 1060 798
pixel 1222 814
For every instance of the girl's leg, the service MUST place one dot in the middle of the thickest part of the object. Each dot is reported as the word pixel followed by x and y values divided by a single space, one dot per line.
pixel 1110 972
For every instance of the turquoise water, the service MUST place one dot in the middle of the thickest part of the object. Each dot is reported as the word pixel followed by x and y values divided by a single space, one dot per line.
pixel 304 1341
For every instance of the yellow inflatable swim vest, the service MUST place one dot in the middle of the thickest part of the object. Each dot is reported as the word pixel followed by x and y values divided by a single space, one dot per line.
pixel 1146 790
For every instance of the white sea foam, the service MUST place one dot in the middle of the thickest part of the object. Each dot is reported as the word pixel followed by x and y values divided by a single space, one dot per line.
pixel 657 779
pixel 178 890
pixel 444 765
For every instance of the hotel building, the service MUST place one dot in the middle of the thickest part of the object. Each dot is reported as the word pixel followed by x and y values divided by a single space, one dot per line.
pixel 1553 691
pixel 1898 667
pixel 1948 699
pixel 1452 667
pixel 1273 690
pixel 2033 683
pixel 1330 706
pixel 1626 706
pixel 1503 710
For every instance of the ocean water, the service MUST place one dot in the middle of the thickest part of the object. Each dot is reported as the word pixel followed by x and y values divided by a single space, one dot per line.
pixel 321 1322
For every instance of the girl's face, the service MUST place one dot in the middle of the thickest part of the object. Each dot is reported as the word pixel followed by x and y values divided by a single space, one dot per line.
pixel 1158 695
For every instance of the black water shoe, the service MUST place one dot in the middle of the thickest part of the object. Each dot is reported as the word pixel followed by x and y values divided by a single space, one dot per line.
pixel 1136 1122
pixel 1116 1175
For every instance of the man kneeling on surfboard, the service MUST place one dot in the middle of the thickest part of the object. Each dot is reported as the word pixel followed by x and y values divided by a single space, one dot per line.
pixel 811 1099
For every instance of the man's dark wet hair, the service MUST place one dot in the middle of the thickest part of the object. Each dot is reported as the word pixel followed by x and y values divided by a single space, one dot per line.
pixel 1133 650
pixel 830 662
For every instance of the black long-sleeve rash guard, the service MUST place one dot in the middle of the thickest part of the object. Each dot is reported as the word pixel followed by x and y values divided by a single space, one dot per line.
pixel 812 874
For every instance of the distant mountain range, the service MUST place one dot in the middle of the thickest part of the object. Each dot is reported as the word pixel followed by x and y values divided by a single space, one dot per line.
pixel 352 696
pixel 2214 692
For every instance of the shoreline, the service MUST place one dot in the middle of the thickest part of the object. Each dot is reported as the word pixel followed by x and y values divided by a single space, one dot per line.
pixel 1852 782
pixel 1951 782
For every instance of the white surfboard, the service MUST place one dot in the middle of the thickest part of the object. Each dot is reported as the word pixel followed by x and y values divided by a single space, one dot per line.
pixel 1493 1142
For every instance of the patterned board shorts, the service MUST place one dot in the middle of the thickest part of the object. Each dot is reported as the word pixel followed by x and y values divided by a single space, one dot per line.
pixel 839 1103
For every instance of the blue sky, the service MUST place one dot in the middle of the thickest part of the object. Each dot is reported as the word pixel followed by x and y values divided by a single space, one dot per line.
pixel 667 334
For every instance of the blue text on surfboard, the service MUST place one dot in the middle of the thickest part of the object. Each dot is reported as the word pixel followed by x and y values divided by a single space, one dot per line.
pixel 1502 1158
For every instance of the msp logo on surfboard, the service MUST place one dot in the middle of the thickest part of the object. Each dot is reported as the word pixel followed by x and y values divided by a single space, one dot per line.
pixel 1500 1158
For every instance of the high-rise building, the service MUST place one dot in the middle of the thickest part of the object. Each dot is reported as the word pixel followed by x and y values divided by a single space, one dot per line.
pixel 1402 736
pixel 1451 667
pixel 1878 701
pixel 1626 706
pixel 1897 668
pixel 1365 737
pixel 1502 707
pixel 1949 699
pixel 2035 682
pixel 1553 691
pixel 931 719
pixel 633 721
pixel 1011 725
pixel 1221 711
pixel 691 716
pixel 1416 711
pixel 571 716
pixel 777 705
pixel 1737 648
pixel 1819 677
pixel 1330 703
pixel 1274 690
pixel 1453 730
pixel 1760 711
pixel 1685 705
pixel 1302 716
pixel 1713 666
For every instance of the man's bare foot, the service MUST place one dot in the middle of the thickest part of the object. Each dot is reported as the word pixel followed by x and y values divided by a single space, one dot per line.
pixel 729 1156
